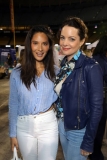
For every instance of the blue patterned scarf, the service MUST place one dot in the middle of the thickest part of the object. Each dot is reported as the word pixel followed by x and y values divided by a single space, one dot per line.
pixel 65 71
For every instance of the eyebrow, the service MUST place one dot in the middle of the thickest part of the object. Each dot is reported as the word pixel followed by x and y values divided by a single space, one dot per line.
pixel 68 37
pixel 72 37
pixel 38 41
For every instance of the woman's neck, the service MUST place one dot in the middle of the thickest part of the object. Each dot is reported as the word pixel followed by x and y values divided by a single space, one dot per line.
pixel 69 57
pixel 40 68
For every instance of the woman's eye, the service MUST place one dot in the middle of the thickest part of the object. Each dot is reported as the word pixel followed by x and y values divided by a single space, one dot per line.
pixel 34 42
pixel 61 37
pixel 72 39
pixel 45 44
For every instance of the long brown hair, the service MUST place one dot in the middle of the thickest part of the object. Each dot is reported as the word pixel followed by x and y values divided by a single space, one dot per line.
pixel 28 68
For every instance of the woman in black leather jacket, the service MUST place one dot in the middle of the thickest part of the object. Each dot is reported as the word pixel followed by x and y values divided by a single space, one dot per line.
pixel 79 86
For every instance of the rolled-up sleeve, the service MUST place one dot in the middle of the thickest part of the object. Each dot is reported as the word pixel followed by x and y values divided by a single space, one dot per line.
pixel 13 105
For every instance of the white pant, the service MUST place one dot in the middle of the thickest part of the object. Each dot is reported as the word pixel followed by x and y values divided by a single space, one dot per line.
pixel 38 136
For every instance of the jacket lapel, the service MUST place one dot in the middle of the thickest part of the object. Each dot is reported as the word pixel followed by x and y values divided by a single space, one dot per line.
pixel 78 64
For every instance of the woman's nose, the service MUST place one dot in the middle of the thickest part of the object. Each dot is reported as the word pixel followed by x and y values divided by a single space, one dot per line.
pixel 65 42
pixel 40 47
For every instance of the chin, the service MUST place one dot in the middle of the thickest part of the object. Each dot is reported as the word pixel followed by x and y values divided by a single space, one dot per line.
pixel 39 60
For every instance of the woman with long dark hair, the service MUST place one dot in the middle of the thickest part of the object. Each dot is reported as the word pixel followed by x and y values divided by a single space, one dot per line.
pixel 32 121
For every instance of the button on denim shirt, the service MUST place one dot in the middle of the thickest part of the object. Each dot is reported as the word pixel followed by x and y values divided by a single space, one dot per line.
pixel 29 102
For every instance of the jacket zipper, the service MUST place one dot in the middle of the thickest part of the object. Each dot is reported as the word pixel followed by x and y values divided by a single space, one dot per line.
pixel 79 98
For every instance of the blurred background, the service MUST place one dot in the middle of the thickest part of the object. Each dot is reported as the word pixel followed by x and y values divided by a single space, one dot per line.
pixel 18 16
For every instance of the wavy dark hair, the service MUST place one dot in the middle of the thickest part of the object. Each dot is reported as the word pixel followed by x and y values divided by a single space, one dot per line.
pixel 28 69
pixel 78 24
pixel 101 47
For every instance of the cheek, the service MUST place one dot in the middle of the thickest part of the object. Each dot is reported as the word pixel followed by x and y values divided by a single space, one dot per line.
pixel 32 47
pixel 76 45
pixel 46 49
pixel 60 42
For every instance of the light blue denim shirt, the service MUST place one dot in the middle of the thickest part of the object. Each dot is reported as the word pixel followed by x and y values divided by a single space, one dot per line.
pixel 29 102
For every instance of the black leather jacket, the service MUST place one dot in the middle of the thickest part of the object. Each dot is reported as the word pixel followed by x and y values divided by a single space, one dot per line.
pixel 82 99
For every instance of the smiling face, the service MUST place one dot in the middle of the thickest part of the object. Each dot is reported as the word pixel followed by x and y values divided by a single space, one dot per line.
pixel 39 46
pixel 70 41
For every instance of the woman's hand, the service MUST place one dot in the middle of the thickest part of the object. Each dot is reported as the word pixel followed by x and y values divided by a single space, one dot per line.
pixel 14 143
pixel 85 153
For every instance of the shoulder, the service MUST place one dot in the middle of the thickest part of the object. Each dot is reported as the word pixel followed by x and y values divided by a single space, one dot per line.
pixel 15 72
pixel 90 65
pixel 56 69
pixel 90 61
pixel 92 69
pixel 84 61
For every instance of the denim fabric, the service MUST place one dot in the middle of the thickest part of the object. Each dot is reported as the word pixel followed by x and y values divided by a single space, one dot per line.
pixel 71 142
pixel 38 136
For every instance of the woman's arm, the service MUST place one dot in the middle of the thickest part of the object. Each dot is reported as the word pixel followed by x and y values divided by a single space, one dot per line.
pixel 13 104
pixel 95 91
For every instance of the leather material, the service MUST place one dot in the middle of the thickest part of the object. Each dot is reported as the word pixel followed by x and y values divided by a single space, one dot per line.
pixel 82 99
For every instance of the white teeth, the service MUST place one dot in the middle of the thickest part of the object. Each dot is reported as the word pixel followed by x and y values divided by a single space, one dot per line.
pixel 40 54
